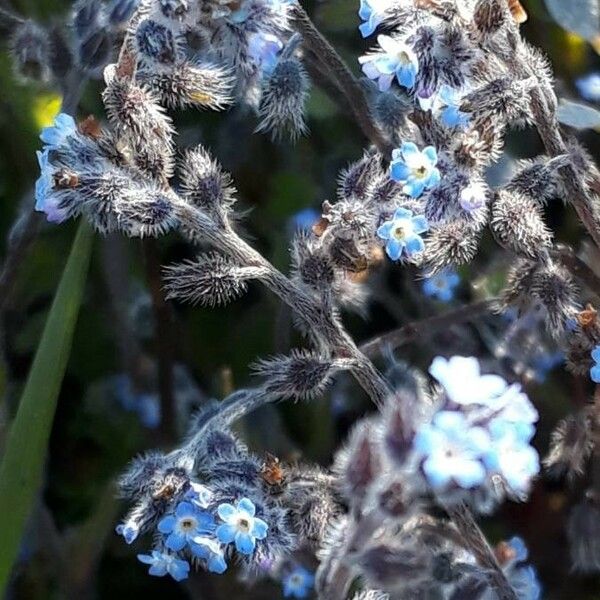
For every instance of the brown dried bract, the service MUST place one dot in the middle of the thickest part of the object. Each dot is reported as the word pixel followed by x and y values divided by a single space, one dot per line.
pixel 272 471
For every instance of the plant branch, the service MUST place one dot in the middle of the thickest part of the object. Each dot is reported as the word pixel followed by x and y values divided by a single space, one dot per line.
pixel 336 69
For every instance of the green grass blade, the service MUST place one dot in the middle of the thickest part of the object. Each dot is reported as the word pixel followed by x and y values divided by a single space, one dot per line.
pixel 26 445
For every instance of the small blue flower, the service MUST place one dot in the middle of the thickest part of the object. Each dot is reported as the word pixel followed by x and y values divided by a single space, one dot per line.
pixel 452 450
pixel 589 87
pixel 128 531
pixel 403 233
pixel 414 168
pixel 305 219
pixel 264 49
pixel 162 563
pixel 519 548
pixel 524 580
pixel 186 524
pixel 441 285
pixel 595 370
pixel 511 456
pixel 462 380
pixel 298 583
pixel 45 200
pixel 241 526
pixel 372 13
pixel 395 60
pixel 54 136
pixel 447 103
pixel 199 495
pixel 208 549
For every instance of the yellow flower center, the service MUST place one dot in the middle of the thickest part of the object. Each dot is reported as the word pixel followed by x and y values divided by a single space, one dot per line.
pixel 420 172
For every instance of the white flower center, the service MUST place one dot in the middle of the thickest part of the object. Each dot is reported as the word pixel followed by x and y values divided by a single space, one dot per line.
pixel 403 58
pixel 421 171
pixel 402 230
pixel 188 524
pixel 243 525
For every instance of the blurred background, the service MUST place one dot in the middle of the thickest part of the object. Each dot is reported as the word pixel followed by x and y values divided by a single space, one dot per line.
pixel 140 366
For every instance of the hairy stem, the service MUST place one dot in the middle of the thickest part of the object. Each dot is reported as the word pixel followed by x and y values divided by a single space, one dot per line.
pixel 333 66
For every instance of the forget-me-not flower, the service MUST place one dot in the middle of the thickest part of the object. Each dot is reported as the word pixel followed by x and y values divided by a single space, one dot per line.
pixel 45 201
pixel 473 197
pixel 55 135
pixel 414 168
pixel 162 563
pixel 589 87
pixel 372 13
pixel 595 370
pixel 511 455
pixel 396 60
pixel 208 549
pixel 463 382
pixel 441 285
pixel 128 531
pixel 241 526
pixel 264 49
pixel 298 583
pixel 186 524
pixel 403 233
pixel 447 105
pixel 452 450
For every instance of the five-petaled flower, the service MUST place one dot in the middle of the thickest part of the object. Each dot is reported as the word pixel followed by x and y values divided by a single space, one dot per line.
pixel 162 563
pixel 452 450
pixel 372 13
pixel 595 370
pixel 414 168
pixel 298 583
pixel 441 285
pixel 241 526
pixel 186 524
pixel 208 549
pixel 396 59
pixel 403 233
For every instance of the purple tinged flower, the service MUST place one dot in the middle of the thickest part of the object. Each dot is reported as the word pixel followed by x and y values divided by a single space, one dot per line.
pixel 396 60
pixel 403 234
pixel 54 136
pixel 441 285
pixel 241 526
pixel 162 563
pixel 414 168
pixel 186 524
pixel 452 450
pixel 589 87
pixel 45 200
pixel 462 380
pixel 208 549
pixel 298 583
pixel 264 49
pixel 372 13
pixel 473 197
pixel 595 370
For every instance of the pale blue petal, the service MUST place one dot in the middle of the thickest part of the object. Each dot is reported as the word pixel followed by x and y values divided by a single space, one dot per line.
pixel 247 506
pixel 216 563
pixel 176 541
pixel 414 188
pixel 166 524
pixel 226 511
pixel 226 533
pixel 406 76
pixel 402 213
pixel 185 509
pixel 384 230
pixel 410 149
pixel 596 354
pixel 147 559
pixel 415 244
pixel 436 473
pixel 179 569
pixel 394 249
pixel 259 530
pixel 399 171
pixel 471 474
pixel 244 543
pixel 158 570
pixel 431 153
pixel 420 224
pixel 595 373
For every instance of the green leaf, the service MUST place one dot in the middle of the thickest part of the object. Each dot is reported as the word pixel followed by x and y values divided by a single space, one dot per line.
pixel 27 441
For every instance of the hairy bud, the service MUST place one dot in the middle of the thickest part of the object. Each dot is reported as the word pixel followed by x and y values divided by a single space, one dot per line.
pixel 31 52
pixel 452 243
pixel 281 108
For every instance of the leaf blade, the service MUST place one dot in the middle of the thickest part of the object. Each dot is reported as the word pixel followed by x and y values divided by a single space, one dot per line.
pixel 25 450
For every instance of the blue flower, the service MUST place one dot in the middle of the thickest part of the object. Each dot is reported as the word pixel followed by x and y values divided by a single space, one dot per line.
pixel 372 13
pixel 186 524
pixel 305 219
pixel 414 168
pixel 395 60
pixel 241 526
pixel 55 136
pixel 519 548
pixel 595 370
pixel 128 531
pixel 199 495
pixel 441 285
pixel 452 450
pixel 511 456
pixel 462 380
pixel 162 563
pixel 402 233
pixel 447 103
pixel 208 549
pixel 264 49
pixel 45 200
pixel 589 87
pixel 298 583
pixel 525 582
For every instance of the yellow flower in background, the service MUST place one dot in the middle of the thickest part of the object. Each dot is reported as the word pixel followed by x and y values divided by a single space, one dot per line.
pixel 576 50
pixel 45 108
